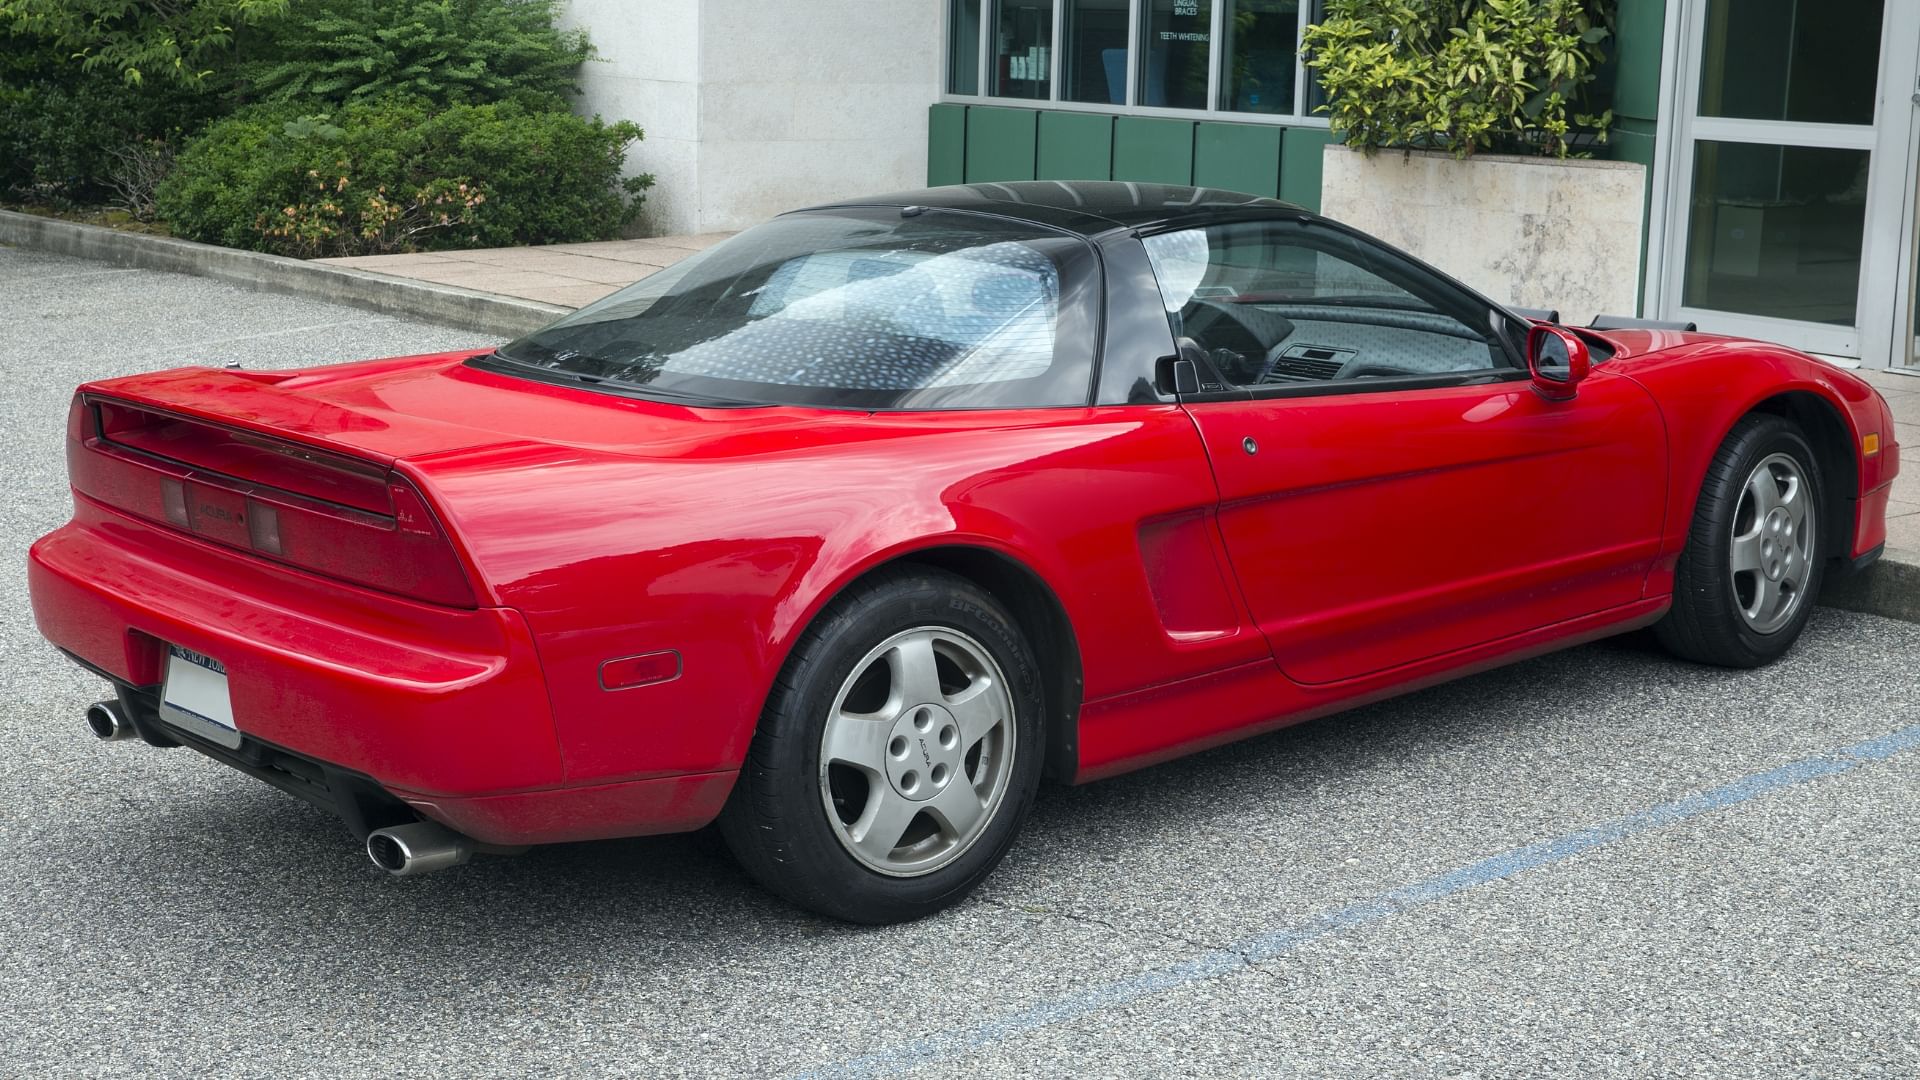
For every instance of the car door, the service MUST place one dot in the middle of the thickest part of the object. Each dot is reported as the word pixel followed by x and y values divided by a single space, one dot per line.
pixel 1392 487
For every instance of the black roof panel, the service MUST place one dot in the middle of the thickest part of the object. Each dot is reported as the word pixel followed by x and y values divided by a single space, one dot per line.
pixel 1089 207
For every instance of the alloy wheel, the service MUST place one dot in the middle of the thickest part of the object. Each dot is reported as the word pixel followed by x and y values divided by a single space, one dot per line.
pixel 918 751
pixel 1773 543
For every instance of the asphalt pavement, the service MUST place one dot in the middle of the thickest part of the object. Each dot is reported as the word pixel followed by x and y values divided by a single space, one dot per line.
pixel 1598 863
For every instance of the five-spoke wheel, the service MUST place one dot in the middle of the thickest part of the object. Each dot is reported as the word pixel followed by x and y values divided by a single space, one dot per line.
pixel 1746 582
pixel 1771 556
pixel 918 750
pixel 898 754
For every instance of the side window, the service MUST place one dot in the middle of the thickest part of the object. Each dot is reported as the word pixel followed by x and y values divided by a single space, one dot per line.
pixel 1287 303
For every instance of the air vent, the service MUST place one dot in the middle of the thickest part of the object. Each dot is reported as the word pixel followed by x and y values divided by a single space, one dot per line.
pixel 1305 367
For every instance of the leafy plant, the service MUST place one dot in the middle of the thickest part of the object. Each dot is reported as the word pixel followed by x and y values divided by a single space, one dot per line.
pixel 401 175
pixel 321 53
pixel 1461 75
pixel 171 39
pixel 61 127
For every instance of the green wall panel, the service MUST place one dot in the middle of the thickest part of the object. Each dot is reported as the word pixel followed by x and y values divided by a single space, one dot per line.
pixel 1000 144
pixel 1238 157
pixel 1300 165
pixel 1641 30
pixel 946 145
pixel 1075 146
pixel 1632 139
pixel 1150 150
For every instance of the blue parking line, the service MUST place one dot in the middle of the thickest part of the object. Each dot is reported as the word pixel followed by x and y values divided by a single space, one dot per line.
pixel 1243 954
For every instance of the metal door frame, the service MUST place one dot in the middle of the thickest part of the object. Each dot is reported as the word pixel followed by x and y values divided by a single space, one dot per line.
pixel 1886 253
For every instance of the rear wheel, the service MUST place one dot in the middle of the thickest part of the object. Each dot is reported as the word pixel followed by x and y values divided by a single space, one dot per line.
pixel 898 753
pixel 1752 566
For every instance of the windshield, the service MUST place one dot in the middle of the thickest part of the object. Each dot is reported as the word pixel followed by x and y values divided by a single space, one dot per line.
pixel 865 308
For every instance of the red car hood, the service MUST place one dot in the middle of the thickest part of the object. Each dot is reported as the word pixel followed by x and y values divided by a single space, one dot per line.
pixel 415 406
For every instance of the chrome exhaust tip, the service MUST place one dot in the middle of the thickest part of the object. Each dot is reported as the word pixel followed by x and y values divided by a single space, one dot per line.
pixel 109 722
pixel 419 848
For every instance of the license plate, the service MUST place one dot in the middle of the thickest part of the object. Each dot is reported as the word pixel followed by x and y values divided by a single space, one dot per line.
pixel 193 695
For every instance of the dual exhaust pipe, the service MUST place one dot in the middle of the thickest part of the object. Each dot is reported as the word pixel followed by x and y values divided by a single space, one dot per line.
pixel 401 850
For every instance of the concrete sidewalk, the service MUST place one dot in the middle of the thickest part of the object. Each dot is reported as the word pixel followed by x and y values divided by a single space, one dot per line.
pixel 570 275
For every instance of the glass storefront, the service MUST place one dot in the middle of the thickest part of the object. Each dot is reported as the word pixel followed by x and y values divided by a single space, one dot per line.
pixel 963 47
pixel 1094 44
pixel 1777 231
pixel 1789 142
pixel 1262 41
pixel 1213 56
pixel 1179 44
pixel 1022 50
pixel 1792 61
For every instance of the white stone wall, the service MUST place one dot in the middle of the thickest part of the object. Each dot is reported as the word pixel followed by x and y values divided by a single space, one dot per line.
pixel 1532 232
pixel 752 107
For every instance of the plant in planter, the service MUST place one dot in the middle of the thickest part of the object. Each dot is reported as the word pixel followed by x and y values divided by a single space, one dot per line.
pixel 1460 87
pixel 1461 75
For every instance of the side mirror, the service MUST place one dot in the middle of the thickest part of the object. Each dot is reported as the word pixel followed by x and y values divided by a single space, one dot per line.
pixel 1558 361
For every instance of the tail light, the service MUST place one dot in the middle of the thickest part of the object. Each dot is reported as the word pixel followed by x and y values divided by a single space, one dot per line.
pixel 332 514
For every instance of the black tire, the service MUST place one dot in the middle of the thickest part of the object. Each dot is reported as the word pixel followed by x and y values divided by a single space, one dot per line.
pixel 1706 624
pixel 775 821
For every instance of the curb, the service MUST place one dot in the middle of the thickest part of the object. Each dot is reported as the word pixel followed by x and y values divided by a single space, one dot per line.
pixel 1890 588
pixel 447 305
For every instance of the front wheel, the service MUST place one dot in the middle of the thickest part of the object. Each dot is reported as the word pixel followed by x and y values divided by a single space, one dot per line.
pixel 1752 567
pixel 898 754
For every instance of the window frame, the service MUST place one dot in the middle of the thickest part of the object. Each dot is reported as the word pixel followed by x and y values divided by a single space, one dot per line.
pixel 1301 116
pixel 1401 268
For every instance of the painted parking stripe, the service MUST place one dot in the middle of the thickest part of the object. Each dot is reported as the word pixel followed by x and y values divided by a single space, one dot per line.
pixel 1239 956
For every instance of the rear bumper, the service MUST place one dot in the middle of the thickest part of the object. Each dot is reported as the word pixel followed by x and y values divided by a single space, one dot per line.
pixel 443 709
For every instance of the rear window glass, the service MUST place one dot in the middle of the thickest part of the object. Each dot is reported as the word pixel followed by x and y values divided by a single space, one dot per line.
pixel 864 308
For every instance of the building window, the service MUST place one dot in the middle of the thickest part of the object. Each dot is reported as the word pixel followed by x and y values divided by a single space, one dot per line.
pixel 1207 56
pixel 1022 49
pixel 963 47
pixel 1094 41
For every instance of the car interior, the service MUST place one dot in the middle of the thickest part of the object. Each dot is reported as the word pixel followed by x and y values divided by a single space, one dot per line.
pixel 1273 304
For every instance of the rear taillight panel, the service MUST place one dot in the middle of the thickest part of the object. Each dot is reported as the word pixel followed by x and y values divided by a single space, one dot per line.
pixel 333 514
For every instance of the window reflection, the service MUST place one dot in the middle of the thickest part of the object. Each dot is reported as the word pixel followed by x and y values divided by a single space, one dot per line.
pixel 1023 49
pixel 1788 60
pixel 1178 36
pixel 1262 40
pixel 963 47
pixel 1776 230
pixel 1095 42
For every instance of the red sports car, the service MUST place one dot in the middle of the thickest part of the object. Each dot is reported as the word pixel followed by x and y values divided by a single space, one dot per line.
pixel 849 530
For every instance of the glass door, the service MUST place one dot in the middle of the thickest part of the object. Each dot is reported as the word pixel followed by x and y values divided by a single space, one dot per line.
pixel 1906 315
pixel 1787 207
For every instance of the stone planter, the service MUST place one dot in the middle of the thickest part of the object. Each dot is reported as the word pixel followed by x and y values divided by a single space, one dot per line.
pixel 1532 232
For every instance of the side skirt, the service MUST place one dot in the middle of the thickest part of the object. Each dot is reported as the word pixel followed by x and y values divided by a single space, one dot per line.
pixel 1146 727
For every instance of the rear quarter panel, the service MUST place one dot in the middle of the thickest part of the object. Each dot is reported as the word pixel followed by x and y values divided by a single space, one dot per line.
pixel 725 548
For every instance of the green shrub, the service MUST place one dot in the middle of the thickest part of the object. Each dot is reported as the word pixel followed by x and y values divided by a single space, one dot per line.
pixel 1460 75
pixel 323 53
pixel 400 175
pixel 64 129
pixel 174 40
